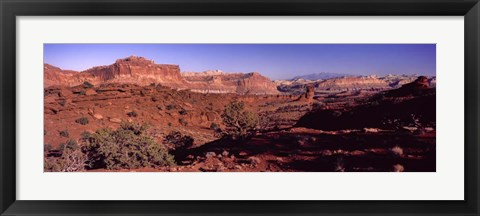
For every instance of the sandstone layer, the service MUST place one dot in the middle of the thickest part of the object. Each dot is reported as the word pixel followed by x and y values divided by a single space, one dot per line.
pixel 240 83
pixel 143 72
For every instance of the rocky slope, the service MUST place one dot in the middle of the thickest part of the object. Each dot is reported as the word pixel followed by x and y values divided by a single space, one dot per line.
pixel 418 87
pixel 56 76
pixel 412 105
pixel 329 137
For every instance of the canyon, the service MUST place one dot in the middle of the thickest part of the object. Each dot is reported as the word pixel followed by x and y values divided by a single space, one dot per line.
pixel 340 123
pixel 143 72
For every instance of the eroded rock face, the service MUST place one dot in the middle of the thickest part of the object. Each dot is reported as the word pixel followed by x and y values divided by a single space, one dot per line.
pixel 254 83
pixel 140 71
pixel 309 94
pixel 239 83
pixel 136 70
pixel 352 83
pixel 143 72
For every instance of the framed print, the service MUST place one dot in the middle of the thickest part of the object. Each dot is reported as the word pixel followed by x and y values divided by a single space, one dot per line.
pixel 216 121
pixel 257 107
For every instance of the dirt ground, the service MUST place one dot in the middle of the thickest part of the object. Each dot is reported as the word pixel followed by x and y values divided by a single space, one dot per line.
pixel 280 145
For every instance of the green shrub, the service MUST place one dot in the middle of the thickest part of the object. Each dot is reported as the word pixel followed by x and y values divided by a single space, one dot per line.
pixel 64 133
pixel 125 148
pixel 337 113
pixel 70 161
pixel 87 85
pixel 137 129
pixel 178 140
pixel 132 114
pixel 62 102
pixel 47 147
pixel 217 131
pixel 82 121
pixel 214 126
pixel 85 135
pixel 70 145
pixel 183 122
pixel 239 122
pixel 170 107
pixel 182 112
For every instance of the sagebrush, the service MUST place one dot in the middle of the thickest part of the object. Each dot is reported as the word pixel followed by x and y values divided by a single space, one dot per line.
pixel 239 122
pixel 124 148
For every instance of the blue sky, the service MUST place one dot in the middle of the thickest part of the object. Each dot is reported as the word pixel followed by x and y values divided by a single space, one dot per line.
pixel 276 61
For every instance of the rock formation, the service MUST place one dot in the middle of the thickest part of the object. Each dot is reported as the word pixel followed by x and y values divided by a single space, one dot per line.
pixel 219 82
pixel 308 96
pixel 310 93
pixel 418 87
pixel 349 83
pixel 136 70
pixel 141 71
pixel 352 83
pixel 56 76
pixel 415 98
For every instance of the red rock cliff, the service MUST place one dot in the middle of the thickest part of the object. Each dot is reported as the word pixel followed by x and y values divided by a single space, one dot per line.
pixel 240 83
pixel 141 71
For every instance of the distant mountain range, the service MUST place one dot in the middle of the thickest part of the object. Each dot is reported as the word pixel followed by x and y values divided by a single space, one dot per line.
pixel 321 76
pixel 347 83
pixel 141 71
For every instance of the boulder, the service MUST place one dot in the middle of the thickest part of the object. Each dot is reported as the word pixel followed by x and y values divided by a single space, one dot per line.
pixel 115 120
pixel 211 116
pixel 97 116
pixel 371 130
pixel 210 154
pixel 89 92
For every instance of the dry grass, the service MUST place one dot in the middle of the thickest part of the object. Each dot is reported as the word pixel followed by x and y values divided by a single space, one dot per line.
pixel 398 168
pixel 397 150
pixel 339 165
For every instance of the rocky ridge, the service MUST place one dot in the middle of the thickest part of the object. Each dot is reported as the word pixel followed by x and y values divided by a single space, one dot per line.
pixel 350 83
pixel 143 72
pixel 240 83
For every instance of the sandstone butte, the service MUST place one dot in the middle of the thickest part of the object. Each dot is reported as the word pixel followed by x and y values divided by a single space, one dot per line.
pixel 141 71
pixel 353 83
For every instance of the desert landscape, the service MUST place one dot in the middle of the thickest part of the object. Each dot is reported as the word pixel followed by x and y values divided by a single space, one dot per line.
pixel 137 115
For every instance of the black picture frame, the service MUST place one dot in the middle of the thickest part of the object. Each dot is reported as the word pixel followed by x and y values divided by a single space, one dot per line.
pixel 10 9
